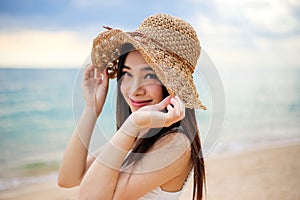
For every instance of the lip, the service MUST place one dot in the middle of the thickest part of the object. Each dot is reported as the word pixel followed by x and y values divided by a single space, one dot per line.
pixel 139 103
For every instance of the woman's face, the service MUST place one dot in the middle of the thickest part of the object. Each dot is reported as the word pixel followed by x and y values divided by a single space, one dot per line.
pixel 139 83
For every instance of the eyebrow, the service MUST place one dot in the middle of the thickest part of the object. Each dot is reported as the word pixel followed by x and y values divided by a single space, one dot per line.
pixel 147 68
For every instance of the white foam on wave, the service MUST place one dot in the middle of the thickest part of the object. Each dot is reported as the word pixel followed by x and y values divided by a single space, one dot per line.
pixel 13 183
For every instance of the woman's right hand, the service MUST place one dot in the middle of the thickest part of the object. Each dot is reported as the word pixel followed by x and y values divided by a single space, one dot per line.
pixel 153 117
pixel 94 88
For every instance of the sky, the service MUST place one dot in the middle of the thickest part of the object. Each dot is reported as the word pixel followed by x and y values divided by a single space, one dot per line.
pixel 59 33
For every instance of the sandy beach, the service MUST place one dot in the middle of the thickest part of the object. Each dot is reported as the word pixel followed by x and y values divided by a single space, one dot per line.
pixel 264 173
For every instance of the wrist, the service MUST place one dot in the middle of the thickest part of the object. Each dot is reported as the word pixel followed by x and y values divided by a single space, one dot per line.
pixel 130 128
pixel 90 110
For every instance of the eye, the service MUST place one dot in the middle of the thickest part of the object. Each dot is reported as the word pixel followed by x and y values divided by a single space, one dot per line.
pixel 126 74
pixel 151 76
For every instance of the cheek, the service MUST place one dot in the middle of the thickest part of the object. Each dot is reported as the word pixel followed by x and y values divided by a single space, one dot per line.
pixel 124 88
pixel 156 92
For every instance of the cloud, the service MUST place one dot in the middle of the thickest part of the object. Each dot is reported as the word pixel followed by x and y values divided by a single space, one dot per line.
pixel 271 16
pixel 234 33
pixel 252 33
pixel 80 14
pixel 35 48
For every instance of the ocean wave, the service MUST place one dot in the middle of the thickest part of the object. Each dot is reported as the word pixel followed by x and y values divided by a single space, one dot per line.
pixel 13 183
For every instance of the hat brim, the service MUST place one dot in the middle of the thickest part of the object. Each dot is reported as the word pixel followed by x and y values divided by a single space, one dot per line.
pixel 168 67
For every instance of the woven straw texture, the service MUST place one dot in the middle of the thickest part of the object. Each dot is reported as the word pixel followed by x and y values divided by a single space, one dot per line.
pixel 167 43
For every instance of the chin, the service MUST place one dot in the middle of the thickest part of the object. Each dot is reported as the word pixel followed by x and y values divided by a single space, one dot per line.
pixel 134 109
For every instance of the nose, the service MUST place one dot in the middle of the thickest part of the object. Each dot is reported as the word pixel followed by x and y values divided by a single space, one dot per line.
pixel 137 88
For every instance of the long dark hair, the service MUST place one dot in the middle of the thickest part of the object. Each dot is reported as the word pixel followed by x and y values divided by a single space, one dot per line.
pixel 142 145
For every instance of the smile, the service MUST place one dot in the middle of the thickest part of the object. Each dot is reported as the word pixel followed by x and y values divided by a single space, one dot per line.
pixel 139 103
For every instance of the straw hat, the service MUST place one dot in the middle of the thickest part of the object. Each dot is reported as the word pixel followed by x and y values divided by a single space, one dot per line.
pixel 167 43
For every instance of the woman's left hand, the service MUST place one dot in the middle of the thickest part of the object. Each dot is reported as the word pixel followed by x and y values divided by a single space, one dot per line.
pixel 153 117
pixel 94 88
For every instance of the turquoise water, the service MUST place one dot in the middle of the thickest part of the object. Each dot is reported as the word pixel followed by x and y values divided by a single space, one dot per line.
pixel 38 108
pixel 35 115
pixel 262 105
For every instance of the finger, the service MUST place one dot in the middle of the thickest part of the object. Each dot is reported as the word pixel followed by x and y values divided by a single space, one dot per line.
pixel 105 79
pixel 163 104
pixel 91 72
pixel 158 119
pixel 170 108
pixel 97 74
pixel 87 66
pixel 176 106
pixel 181 105
pixel 169 119
pixel 86 72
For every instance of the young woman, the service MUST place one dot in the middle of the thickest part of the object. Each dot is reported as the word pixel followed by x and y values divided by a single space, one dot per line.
pixel 156 146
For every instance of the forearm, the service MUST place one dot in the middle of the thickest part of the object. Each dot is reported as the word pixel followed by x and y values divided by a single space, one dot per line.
pixel 102 177
pixel 73 163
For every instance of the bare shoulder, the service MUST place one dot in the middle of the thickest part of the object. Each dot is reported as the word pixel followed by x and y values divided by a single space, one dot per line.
pixel 168 159
pixel 175 140
pixel 172 148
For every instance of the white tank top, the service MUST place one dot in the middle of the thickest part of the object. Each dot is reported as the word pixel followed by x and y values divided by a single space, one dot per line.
pixel 159 194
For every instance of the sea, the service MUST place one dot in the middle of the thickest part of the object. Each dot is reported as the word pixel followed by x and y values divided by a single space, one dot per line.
pixel 39 109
